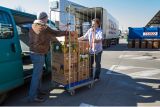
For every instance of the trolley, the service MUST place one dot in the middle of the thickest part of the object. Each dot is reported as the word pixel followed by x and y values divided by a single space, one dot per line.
pixel 71 83
pixel 73 68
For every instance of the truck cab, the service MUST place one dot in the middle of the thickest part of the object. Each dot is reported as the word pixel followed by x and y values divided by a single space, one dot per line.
pixel 15 62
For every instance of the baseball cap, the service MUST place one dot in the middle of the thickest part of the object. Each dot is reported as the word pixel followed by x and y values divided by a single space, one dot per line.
pixel 42 15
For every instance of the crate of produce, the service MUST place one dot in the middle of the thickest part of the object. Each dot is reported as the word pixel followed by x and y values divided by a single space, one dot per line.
pixel 70 64
pixel 64 79
pixel 62 47
pixel 72 38
pixel 83 47
pixel 64 68
pixel 65 58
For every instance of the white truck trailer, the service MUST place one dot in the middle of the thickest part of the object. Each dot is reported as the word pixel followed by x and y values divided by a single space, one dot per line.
pixel 79 17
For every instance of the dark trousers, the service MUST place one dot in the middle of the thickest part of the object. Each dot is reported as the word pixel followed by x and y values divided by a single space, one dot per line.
pixel 97 58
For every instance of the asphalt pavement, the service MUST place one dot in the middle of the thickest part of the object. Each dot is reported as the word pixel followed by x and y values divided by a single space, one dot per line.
pixel 129 77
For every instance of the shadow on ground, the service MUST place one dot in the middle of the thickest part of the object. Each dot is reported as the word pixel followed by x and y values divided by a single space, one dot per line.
pixel 114 89
pixel 133 90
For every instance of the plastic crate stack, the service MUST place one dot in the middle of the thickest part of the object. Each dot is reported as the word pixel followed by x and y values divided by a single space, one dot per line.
pixel 61 71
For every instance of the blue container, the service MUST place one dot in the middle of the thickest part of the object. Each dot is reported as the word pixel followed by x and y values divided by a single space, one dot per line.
pixel 144 33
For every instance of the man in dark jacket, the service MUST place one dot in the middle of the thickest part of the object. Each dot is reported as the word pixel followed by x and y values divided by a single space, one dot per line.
pixel 40 36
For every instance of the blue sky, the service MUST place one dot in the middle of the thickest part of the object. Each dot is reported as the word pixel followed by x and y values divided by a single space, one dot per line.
pixel 129 13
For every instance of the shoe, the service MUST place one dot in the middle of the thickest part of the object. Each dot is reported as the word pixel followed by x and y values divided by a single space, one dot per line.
pixel 96 79
pixel 39 99
pixel 42 92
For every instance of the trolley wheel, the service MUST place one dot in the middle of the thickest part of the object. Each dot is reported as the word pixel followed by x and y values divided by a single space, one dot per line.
pixel 72 92
pixel 90 85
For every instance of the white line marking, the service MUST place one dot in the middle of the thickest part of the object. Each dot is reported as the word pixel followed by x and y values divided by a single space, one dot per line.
pixel 125 67
pixel 142 57
pixel 157 59
pixel 141 74
pixel 126 56
pixel 112 73
pixel 145 73
pixel 111 69
pixel 146 77
pixel 86 105
pixel 139 57
pixel 134 67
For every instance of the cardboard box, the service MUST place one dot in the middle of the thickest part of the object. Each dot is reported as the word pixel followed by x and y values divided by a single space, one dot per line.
pixel 64 68
pixel 71 37
pixel 84 57
pixel 84 63
pixel 61 47
pixel 83 47
pixel 82 75
pixel 84 69
pixel 64 78
pixel 64 58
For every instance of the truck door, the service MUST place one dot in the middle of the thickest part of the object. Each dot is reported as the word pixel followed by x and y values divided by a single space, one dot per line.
pixel 11 70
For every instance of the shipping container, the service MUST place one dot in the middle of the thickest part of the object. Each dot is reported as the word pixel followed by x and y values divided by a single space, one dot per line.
pixel 144 33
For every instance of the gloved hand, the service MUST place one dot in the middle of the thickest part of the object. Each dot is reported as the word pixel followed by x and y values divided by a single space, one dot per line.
pixel 66 33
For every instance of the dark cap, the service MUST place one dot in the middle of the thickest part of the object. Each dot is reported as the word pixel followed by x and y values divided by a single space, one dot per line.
pixel 42 15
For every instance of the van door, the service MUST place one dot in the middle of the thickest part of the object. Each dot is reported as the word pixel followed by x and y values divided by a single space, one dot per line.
pixel 11 70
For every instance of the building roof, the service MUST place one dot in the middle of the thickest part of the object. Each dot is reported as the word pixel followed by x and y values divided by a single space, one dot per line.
pixel 155 21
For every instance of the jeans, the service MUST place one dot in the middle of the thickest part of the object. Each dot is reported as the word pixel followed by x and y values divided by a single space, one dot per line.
pixel 98 65
pixel 38 61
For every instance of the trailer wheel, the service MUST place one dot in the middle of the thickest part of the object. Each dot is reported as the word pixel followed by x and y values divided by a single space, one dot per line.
pixel 3 96
pixel 72 92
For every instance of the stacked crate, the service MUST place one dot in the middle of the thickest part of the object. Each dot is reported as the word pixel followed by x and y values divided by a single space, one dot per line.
pixel 131 43
pixel 83 61
pixel 65 59
pixel 156 43
pixel 137 43
pixel 143 43
pixel 149 43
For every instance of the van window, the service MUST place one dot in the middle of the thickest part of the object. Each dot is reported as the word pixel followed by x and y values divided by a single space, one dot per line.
pixel 52 25
pixel 6 27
